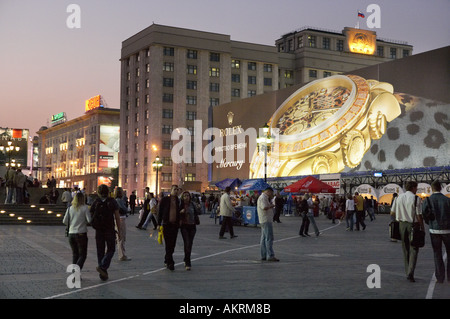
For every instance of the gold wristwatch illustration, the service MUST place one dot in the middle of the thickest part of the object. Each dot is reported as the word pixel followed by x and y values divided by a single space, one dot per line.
pixel 327 125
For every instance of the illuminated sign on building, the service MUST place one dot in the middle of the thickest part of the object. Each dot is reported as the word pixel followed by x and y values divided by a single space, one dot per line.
pixel 59 118
pixel 361 41
pixel 93 103
pixel 109 147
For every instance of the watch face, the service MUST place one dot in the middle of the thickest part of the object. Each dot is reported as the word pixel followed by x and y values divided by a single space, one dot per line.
pixel 316 114
pixel 308 110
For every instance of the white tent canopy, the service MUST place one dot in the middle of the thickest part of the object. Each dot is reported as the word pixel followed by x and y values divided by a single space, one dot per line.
pixel 367 190
pixel 386 192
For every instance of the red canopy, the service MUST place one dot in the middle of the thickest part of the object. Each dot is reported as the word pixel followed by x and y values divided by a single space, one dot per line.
pixel 309 185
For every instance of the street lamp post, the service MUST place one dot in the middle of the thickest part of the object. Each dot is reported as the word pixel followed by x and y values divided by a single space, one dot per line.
pixel 265 141
pixel 8 150
pixel 157 164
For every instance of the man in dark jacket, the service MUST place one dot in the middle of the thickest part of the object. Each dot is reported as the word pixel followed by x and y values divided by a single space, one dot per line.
pixel 169 219
pixel 436 213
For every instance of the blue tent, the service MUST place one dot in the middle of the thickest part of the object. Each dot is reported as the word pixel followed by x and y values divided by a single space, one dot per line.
pixel 253 185
pixel 229 182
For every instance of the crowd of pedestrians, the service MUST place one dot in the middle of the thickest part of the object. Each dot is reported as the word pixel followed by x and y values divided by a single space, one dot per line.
pixel 179 212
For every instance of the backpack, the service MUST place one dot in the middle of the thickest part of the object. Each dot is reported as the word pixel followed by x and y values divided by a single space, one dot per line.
pixel 102 214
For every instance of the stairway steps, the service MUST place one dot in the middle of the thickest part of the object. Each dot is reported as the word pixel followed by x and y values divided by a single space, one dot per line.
pixel 32 214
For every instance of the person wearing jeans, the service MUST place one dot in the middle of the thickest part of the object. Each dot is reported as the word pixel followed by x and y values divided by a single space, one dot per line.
pixel 105 235
pixel 265 216
pixel 349 210
pixel 436 213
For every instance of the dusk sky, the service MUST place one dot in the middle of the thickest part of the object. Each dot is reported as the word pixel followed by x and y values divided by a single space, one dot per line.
pixel 47 68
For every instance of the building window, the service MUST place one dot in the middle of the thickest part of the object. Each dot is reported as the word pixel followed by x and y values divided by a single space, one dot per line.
pixel 167 129
pixel 167 97
pixel 191 115
pixel 393 53
pixel 340 45
pixel 147 98
pixel 147 83
pixel 167 114
pixel 267 81
pixel 267 67
pixel 300 42
pixel 137 102
pixel 326 74
pixel 168 51
pixel 251 93
pixel 405 53
pixel 380 50
pixel 147 114
pixel 313 73
pixel 214 72
pixel 192 69
pixel 252 66
pixel 191 100
pixel 214 57
pixel 311 41
pixel 146 130
pixel 147 67
pixel 168 66
pixel 289 74
pixel 167 145
pixel 236 78
pixel 168 82
pixel 251 79
pixel 191 85
pixel 214 87
pixel 235 64
pixel 326 43
pixel 189 177
pixel 213 101
pixel 191 54
pixel 235 92
pixel 166 177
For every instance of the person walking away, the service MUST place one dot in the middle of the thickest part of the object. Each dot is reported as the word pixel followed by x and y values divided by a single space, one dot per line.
pixel 279 203
pixel 226 210
pixel 407 207
pixel 333 209
pixel 349 211
pixel 54 194
pixel 265 215
pixel 77 218
pixel 359 205
pixel 123 212
pixel 169 219
pixel 20 180
pixel 311 206
pixel 303 209
pixel 371 208
pixel 150 204
pixel 66 197
pixel 189 218
pixel 436 213
pixel 132 202
pixel 10 186
pixel 105 211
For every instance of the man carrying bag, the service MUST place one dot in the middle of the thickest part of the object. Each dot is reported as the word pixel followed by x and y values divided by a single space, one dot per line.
pixel 408 211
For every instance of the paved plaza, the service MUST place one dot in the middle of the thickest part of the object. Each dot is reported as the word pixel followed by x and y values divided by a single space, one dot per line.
pixel 336 264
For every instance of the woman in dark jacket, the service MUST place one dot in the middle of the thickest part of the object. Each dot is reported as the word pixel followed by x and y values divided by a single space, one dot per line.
pixel 189 217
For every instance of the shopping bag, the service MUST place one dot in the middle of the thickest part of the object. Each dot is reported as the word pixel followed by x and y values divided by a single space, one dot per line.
pixel 394 230
pixel 160 235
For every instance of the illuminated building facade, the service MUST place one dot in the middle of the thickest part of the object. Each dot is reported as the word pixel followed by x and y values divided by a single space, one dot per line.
pixel 312 53
pixel 81 152
pixel 171 77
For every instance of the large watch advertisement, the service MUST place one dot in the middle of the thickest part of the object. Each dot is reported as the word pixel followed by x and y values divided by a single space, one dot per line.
pixel 374 121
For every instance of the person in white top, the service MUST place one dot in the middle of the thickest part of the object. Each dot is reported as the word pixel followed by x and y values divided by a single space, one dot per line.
pixel 265 215
pixel 226 211
pixel 408 210
pixel 77 218
pixel 349 211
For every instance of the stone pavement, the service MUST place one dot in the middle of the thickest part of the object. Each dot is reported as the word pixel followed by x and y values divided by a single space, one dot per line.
pixel 33 262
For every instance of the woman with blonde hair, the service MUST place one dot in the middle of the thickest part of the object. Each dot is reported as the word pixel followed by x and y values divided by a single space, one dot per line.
pixel 77 218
